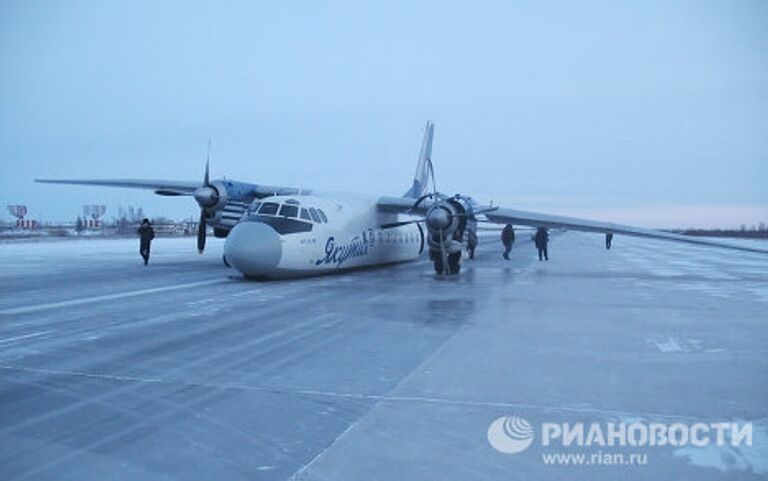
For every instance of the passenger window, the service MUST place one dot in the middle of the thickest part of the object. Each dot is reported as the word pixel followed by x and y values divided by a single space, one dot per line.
pixel 305 214
pixel 269 208
pixel 289 210
pixel 322 216
pixel 254 207
pixel 313 213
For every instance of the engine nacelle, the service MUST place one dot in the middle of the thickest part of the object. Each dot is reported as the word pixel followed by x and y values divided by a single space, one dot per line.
pixel 446 222
pixel 212 197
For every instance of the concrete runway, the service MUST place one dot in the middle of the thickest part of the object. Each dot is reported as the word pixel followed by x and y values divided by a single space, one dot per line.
pixel 180 370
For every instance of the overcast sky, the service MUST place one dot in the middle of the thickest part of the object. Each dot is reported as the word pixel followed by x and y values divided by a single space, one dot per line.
pixel 654 113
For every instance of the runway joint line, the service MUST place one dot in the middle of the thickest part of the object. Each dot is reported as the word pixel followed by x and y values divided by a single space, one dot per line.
pixel 362 396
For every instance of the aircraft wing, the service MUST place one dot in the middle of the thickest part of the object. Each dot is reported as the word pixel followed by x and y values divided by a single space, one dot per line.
pixel 533 219
pixel 180 187
pixel 161 187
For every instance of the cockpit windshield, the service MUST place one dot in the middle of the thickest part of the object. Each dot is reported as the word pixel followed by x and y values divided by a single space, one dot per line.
pixel 269 208
pixel 287 217
pixel 289 210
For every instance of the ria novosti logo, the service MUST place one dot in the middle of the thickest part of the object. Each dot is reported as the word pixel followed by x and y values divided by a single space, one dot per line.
pixel 513 434
pixel 510 434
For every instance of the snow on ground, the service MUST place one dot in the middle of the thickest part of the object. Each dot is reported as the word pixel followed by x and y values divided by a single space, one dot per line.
pixel 34 257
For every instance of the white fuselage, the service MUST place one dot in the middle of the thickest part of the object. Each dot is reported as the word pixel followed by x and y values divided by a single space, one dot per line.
pixel 311 235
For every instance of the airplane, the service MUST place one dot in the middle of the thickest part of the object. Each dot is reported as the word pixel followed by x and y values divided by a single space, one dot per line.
pixel 278 232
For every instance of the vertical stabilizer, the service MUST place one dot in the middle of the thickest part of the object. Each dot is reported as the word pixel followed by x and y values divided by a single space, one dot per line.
pixel 424 171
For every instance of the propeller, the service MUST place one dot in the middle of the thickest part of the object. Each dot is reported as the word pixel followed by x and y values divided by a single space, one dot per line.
pixel 443 216
pixel 392 225
pixel 421 199
pixel 201 231
pixel 438 217
pixel 206 196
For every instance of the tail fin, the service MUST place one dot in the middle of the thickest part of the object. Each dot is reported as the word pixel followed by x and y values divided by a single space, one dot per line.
pixel 424 167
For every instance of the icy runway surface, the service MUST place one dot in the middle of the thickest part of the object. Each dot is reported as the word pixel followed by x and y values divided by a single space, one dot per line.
pixel 181 370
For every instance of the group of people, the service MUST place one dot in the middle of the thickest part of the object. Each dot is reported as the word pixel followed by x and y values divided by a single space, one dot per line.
pixel 540 240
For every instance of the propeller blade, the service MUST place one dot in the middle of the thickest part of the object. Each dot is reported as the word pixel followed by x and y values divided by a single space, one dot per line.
pixel 418 202
pixel 399 224
pixel 444 254
pixel 202 227
pixel 206 178
pixel 201 231
pixel 432 174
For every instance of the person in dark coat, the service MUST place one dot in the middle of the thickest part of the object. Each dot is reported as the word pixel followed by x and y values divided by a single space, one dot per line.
pixel 471 242
pixel 507 238
pixel 608 240
pixel 541 239
pixel 146 234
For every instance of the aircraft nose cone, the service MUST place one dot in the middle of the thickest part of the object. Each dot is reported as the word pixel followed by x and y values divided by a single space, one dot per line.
pixel 253 248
